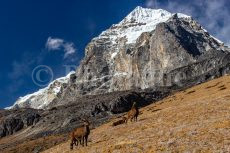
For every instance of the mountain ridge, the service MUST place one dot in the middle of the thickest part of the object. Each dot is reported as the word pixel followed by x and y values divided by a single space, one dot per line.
pixel 124 56
pixel 173 56
pixel 43 97
pixel 111 65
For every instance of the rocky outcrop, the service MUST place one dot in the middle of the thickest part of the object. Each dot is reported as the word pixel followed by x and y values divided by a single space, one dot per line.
pixel 15 120
pixel 10 126
pixel 63 118
pixel 199 72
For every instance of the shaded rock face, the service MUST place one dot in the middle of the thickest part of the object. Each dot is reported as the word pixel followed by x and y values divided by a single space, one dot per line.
pixel 150 61
pixel 16 120
pixel 10 126
pixel 200 72
pixel 63 118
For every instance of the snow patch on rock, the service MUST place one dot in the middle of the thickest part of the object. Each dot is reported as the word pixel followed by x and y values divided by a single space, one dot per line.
pixel 134 24
pixel 43 97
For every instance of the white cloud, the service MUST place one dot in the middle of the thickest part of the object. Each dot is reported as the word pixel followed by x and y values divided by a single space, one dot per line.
pixel 54 44
pixel 69 49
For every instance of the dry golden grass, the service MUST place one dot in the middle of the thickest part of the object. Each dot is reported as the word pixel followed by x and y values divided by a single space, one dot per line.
pixel 40 144
pixel 195 120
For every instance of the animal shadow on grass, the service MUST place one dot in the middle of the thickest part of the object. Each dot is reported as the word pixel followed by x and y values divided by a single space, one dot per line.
pixel 142 119
pixel 222 87
pixel 213 85
pixel 227 97
pixel 150 109
pixel 156 110
pixel 190 92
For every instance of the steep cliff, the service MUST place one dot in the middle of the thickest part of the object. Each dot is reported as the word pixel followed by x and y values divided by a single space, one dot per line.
pixel 147 49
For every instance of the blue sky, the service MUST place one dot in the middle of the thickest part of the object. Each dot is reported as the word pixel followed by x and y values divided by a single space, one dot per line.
pixel 55 33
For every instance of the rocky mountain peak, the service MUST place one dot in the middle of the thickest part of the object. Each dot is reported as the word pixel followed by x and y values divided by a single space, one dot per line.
pixel 144 49
pixel 140 14
pixel 149 48
pixel 135 23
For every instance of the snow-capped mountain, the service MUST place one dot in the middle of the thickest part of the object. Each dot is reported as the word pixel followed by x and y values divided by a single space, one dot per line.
pixel 43 97
pixel 147 41
pixel 147 49
pixel 138 21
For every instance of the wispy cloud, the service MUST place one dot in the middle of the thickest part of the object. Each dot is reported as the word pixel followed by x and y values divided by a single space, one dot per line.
pixel 20 71
pixel 55 44
pixel 69 49
pixel 151 3
pixel 21 67
pixel 212 14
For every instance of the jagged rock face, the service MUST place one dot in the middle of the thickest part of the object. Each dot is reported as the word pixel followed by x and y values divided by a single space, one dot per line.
pixel 147 49
pixel 115 61
pixel 64 118
pixel 15 120
pixel 200 72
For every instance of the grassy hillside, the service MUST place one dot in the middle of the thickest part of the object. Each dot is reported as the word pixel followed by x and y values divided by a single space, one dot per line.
pixel 194 120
